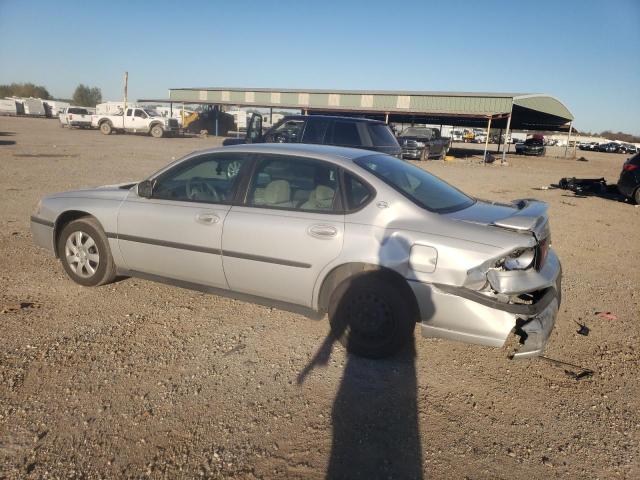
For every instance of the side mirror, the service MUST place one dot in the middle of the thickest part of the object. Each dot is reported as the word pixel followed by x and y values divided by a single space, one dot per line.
pixel 145 189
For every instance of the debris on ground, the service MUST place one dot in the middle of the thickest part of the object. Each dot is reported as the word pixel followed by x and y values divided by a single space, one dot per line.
pixel 582 159
pixel 583 330
pixel 607 315
pixel 579 375
pixel 583 185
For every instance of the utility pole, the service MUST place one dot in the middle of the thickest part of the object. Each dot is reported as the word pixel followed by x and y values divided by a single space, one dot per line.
pixel 126 85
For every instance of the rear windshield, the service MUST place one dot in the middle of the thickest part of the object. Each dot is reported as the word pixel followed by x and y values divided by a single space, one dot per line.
pixel 424 189
pixel 533 141
pixel 635 160
pixel 78 111
pixel 381 136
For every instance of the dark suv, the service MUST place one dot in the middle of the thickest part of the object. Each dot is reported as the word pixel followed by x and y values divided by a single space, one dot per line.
pixel 629 181
pixel 324 130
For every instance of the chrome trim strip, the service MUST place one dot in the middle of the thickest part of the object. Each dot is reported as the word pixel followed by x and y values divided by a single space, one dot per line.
pixel 213 251
pixel 41 221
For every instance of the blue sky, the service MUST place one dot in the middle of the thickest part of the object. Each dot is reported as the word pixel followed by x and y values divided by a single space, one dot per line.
pixel 586 53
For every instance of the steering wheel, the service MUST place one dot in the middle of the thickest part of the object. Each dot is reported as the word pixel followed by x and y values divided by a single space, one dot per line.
pixel 197 187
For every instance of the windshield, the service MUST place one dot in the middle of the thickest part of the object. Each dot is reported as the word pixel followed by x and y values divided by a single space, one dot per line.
pixel 416 132
pixel 424 189
pixel 381 136
pixel 151 113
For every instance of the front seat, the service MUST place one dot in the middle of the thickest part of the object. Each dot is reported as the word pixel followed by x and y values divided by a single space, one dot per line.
pixel 321 198
pixel 278 194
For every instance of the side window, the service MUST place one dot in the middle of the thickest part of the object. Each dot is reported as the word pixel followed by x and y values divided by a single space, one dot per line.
pixel 315 130
pixel 140 113
pixel 210 178
pixel 129 112
pixel 356 192
pixel 346 133
pixel 294 183
pixel 288 132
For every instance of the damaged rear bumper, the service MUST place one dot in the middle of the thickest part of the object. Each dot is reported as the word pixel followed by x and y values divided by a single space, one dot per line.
pixel 462 314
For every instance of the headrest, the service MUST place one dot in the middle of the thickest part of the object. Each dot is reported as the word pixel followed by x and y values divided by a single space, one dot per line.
pixel 276 192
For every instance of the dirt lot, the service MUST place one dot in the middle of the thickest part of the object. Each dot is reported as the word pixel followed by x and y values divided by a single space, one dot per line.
pixel 138 379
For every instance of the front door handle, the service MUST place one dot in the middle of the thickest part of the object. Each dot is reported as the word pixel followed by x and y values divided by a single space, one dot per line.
pixel 207 218
pixel 322 231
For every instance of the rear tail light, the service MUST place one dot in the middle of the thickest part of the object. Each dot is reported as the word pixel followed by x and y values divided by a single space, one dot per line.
pixel 629 167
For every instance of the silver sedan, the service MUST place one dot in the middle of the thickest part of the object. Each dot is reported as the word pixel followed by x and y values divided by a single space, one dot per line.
pixel 374 242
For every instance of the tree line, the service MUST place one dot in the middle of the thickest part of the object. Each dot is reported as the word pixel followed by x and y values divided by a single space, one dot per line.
pixel 83 96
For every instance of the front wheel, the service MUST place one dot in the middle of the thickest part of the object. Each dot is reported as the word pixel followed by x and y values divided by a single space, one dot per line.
pixel 84 252
pixel 424 155
pixel 371 317
pixel 157 131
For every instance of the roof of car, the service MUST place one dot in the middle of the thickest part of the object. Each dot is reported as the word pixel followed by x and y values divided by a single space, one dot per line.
pixel 334 117
pixel 321 152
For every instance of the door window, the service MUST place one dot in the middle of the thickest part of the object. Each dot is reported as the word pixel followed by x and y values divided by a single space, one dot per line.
pixel 211 178
pixel 294 183
pixel 289 131
pixel 316 130
pixel 140 113
pixel 346 133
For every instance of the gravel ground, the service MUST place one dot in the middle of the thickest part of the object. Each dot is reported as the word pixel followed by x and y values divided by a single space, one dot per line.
pixel 138 379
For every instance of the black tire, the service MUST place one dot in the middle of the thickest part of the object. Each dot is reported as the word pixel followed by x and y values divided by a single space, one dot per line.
pixel 106 128
pixel 371 316
pixel 104 268
pixel 424 154
pixel 636 196
pixel 157 131
pixel 444 153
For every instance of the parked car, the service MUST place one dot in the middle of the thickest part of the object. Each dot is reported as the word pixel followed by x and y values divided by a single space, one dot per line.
pixel 611 147
pixel 75 117
pixel 531 146
pixel 422 143
pixel 323 130
pixel 377 243
pixel 136 120
pixel 629 181
pixel 627 148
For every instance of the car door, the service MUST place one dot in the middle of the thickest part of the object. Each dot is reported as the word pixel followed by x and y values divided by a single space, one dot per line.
pixel 288 229
pixel 176 232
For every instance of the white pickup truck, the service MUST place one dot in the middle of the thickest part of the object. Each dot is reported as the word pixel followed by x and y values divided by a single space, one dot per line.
pixel 136 120
pixel 75 117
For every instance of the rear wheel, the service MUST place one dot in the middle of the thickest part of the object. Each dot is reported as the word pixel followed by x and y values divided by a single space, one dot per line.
pixel 84 252
pixel 106 128
pixel 371 316
pixel 636 196
pixel 157 131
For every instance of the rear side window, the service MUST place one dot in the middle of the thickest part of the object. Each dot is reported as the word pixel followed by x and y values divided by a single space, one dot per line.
pixel 315 130
pixel 357 193
pixel 294 183
pixel 381 136
pixel 346 134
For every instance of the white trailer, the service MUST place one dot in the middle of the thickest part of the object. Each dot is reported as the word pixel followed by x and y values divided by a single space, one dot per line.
pixel 34 107
pixel 56 106
pixel 8 106
pixel 112 108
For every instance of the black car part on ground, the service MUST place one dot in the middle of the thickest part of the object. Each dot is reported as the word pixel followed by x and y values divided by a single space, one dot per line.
pixel 583 185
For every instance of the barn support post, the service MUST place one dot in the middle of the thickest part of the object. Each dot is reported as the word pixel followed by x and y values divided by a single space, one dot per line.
pixel 506 139
pixel 486 142
pixel 566 147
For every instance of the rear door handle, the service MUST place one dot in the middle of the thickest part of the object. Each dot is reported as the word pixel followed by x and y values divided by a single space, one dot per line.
pixel 322 231
pixel 207 218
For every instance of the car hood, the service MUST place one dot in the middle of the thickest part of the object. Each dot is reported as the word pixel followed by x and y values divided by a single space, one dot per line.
pixel 520 215
pixel 117 192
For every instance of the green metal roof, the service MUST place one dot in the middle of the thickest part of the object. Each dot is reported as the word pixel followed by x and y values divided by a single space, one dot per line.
pixel 533 111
